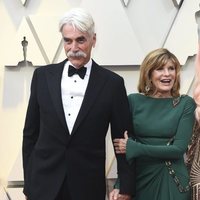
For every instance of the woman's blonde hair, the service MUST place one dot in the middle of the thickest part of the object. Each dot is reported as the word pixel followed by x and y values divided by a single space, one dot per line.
pixel 154 60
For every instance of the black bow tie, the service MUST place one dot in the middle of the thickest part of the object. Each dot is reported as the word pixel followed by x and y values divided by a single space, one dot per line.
pixel 81 71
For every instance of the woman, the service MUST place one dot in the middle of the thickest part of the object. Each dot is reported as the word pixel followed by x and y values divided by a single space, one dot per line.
pixel 163 121
pixel 193 153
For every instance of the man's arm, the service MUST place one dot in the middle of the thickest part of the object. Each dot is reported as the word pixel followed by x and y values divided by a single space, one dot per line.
pixel 31 127
pixel 121 121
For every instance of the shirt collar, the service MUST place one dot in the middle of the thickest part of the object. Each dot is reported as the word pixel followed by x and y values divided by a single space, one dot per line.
pixel 88 65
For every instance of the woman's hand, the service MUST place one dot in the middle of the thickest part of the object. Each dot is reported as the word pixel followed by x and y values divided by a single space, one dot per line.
pixel 120 144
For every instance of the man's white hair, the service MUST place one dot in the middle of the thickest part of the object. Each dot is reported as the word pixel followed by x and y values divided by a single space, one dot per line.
pixel 80 19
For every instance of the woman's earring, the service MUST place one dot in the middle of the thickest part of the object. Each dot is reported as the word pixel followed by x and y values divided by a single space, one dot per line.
pixel 147 88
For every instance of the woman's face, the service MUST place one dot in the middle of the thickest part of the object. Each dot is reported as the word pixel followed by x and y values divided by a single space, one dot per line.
pixel 163 79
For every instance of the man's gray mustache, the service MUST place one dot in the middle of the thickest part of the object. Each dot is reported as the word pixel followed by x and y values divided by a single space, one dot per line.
pixel 76 54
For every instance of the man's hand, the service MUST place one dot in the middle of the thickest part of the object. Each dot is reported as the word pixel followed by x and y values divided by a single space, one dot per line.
pixel 114 194
pixel 124 197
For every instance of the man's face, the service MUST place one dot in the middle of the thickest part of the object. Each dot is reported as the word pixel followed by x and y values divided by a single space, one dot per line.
pixel 77 45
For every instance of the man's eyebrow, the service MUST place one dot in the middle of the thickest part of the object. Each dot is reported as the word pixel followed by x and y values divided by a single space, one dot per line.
pixel 80 38
pixel 66 38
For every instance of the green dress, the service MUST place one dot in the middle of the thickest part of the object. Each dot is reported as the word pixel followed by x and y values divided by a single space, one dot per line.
pixel 156 121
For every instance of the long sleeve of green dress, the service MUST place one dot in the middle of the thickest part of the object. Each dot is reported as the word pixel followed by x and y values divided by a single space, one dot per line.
pixel 178 146
pixel 156 121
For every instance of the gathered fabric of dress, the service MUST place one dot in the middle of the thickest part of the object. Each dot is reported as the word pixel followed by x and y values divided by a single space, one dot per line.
pixel 156 121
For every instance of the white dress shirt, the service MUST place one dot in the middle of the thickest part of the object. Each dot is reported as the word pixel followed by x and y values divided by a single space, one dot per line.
pixel 73 91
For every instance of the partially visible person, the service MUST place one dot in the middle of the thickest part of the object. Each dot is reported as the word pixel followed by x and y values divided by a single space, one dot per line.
pixel 163 121
pixel 193 153
pixel 71 106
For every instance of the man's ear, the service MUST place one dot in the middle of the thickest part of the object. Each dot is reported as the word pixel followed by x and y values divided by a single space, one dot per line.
pixel 94 40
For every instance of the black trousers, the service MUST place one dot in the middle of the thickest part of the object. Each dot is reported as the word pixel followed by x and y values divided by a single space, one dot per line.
pixel 64 193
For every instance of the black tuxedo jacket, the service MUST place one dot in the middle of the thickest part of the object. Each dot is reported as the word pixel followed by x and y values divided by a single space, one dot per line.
pixel 50 153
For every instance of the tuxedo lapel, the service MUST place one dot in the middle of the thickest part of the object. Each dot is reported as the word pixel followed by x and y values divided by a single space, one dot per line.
pixel 54 75
pixel 95 84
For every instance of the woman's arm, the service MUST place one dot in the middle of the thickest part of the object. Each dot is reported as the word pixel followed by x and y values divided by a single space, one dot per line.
pixel 135 149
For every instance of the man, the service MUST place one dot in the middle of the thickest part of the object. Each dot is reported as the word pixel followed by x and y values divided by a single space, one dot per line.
pixel 68 118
